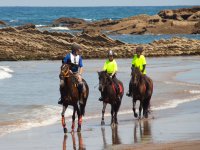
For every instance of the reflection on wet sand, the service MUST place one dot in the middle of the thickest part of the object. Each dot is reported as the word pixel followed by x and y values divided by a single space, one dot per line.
pixel 81 145
pixel 142 131
pixel 115 136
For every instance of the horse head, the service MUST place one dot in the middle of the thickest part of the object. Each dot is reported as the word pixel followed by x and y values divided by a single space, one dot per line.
pixel 65 71
pixel 136 74
pixel 104 80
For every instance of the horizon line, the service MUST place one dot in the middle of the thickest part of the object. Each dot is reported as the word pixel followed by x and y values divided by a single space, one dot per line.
pixel 105 6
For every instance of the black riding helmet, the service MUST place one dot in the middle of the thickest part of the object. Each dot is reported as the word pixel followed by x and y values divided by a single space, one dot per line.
pixel 139 49
pixel 76 47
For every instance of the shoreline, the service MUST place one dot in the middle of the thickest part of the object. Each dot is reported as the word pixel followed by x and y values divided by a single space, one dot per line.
pixel 169 131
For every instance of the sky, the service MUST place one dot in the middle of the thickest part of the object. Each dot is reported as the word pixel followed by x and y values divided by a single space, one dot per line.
pixel 98 2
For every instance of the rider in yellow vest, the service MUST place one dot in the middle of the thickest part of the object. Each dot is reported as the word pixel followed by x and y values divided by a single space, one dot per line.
pixel 110 66
pixel 138 61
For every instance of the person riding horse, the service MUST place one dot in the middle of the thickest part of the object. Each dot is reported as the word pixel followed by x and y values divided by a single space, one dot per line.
pixel 138 61
pixel 110 66
pixel 76 67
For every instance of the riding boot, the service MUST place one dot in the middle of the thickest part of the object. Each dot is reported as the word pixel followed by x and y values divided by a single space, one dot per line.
pixel 61 100
pixel 129 93
pixel 101 98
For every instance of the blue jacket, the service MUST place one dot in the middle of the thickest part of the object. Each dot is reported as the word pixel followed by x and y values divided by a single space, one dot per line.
pixel 74 61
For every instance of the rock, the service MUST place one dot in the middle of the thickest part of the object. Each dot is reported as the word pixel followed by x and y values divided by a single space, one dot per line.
pixel 9 29
pixel 26 26
pixel 194 17
pixel 68 21
pixel 154 19
pixel 3 23
pixel 197 28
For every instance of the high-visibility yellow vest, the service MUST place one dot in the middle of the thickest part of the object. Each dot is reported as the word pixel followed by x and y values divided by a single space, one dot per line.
pixel 139 62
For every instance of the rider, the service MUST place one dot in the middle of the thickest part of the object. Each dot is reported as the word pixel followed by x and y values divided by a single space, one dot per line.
pixel 110 66
pixel 138 61
pixel 75 61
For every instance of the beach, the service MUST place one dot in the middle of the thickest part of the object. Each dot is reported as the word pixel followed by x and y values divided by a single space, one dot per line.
pixel 30 117
pixel 170 129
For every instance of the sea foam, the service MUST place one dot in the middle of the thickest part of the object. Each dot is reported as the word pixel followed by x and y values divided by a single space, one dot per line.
pixel 36 117
pixel 5 72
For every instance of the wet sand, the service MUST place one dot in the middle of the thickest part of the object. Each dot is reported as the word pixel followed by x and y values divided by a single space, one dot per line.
pixel 176 128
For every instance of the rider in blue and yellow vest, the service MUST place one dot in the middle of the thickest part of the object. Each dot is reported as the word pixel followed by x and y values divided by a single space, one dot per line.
pixel 138 61
pixel 110 66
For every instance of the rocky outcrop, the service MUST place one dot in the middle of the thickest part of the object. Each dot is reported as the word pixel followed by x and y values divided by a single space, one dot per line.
pixel 180 21
pixel 180 14
pixel 3 23
pixel 26 26
pixel 69 22
pixel 32 44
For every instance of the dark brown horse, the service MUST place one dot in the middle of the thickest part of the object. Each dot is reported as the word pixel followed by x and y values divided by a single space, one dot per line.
pixel 142 89
pixel 72 97
pixel 108 92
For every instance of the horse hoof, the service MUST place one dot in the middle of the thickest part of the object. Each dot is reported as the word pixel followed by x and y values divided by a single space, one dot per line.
pixel 135 115
pixel 65 130
pixel 102 123
pixel 146 115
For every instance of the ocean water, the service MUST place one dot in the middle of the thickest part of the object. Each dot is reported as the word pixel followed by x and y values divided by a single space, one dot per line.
pixel 42 16
pixel 30 90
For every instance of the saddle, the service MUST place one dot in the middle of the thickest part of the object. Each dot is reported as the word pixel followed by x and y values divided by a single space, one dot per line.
pixel 117 88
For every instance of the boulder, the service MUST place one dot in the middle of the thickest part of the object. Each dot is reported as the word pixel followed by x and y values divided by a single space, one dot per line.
pixel 68 21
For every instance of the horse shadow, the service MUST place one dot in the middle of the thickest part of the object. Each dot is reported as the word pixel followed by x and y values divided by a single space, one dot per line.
pixel 115 137
pixel 142 131
pixel 79 146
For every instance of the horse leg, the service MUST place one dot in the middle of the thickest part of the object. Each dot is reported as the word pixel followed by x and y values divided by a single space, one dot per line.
pixel 63 119
pixel 135 114
pixel 146 107
pixel 112 116
pixel 73 119
pixel 116 112
pixel 140 109
pixel 79 118
pixel 103 112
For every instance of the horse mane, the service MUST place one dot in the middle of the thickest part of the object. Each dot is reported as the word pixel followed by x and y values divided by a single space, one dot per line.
pixel 104 73
pixel 138 73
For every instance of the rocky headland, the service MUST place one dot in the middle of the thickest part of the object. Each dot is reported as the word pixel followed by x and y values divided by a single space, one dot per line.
pixel 28 43
pixel 32 44
pixel 180 21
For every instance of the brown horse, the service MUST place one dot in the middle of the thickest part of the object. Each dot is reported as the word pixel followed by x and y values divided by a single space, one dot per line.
pixel 108 92
pixel 142 89
pixel 72 97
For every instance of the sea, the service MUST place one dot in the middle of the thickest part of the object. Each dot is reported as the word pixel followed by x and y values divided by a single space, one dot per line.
pixel 29 90
pixel 44 16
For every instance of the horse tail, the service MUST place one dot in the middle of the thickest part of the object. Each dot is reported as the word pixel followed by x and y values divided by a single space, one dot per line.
pixel 148 94
pixel 82 106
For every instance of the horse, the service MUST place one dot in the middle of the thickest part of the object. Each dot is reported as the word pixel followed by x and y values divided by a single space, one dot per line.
pixel 72 97
pixel 142 89
pixel 109 94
